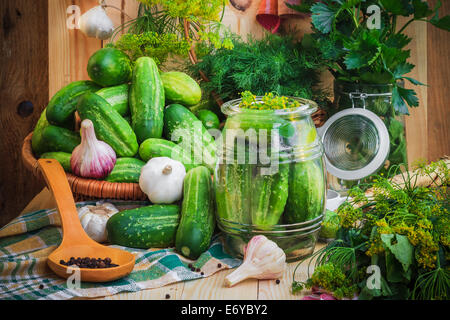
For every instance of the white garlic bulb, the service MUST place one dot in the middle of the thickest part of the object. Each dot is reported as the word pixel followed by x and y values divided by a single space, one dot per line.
pixel 94 218
pixel 95 23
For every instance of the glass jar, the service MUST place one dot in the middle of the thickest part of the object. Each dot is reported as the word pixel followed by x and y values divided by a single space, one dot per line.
pixel 378 99
pixel 270 178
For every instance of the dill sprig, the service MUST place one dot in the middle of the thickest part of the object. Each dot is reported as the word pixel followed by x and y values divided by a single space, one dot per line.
pixel 398 225
pixel 278 64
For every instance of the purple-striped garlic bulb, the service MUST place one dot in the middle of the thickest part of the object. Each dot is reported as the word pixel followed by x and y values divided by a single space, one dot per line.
pixel 92 158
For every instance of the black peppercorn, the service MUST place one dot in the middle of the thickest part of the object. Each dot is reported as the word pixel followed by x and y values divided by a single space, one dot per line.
pixel 277 281
pixel 219 265
pixel 167 296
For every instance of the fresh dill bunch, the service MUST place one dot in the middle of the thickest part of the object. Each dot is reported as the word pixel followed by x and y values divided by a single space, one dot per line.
pixel 159 30
pixel 269 101
pixel 400 226
pixel 277 64
pixel 193 10
pixel 152 44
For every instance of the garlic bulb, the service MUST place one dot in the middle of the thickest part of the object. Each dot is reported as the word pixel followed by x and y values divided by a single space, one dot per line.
pixel 92 158
pixel 95 23
pixel 94 218
pixel 263 259
pixel 162 179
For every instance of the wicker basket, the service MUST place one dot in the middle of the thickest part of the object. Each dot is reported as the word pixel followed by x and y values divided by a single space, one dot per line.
pixel 86 189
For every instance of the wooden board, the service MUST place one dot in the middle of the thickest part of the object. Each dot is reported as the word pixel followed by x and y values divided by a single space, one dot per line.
pixel 438 75
pixel 23 77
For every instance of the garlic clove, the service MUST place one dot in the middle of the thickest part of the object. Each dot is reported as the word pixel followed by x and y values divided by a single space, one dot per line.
pixel 95 23
pixel 263 259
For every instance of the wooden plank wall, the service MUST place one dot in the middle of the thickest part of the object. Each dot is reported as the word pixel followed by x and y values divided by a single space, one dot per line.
pixel 438 79
pixel 23 92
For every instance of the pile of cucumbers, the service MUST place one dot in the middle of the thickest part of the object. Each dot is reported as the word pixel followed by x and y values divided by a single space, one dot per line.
pixel 137 110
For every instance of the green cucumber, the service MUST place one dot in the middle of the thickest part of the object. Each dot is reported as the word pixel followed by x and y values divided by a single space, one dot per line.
pixel 245 121
pixel 306 199
pixel 210 105
pixel 62 157
pixel 63 104
pixel 109 125
pixel 209 119
pixel 146 100
pixel 233 186
pixel 197 214
pixel 126 170
pixel 60 139
pixel 109 67
pixel 270 193
pixel 117 97
pixel 153 226
pixel 185 129
pixel 181 88
pixel 154 147
pixel 37 143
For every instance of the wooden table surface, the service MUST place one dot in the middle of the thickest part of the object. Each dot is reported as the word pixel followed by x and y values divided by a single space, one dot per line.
pixel 210 288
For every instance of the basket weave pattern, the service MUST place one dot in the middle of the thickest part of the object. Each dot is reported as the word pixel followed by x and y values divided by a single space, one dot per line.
pixel 86 189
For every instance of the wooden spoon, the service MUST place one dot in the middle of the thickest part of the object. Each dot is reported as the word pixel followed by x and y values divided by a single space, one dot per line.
pixel 76 243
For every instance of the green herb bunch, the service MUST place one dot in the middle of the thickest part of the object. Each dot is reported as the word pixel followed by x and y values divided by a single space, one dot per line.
pixel 277 64
pixel 194 10
pixel 356 53
pixel 269 101
pixel 152 44
pixel 158 30
pixel 401 228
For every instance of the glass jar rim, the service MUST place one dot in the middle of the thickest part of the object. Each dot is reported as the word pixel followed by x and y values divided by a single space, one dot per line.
pixel 307 107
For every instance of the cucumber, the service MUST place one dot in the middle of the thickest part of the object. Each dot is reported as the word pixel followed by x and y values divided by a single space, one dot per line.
pixel 126 170
pixel 197 222
pixel 153 226
pixel 62 106
pixel 62 157
pixel 209 119
pixel 117 97
pixel 270 193
pixel 306 199
pixel 37 143
pixel 109 67
pixel 146 100
pixel 109 125
pixel 233 186
pixel 60 139
pixel 154 147
pixel 247 121
pixel 210 105
pixel 181 88
pixel 185 129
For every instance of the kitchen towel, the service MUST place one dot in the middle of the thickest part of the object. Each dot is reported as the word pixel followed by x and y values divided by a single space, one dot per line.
pixel 26 242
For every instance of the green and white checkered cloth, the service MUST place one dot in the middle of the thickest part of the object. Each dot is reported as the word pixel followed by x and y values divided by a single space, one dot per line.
pixel 26 242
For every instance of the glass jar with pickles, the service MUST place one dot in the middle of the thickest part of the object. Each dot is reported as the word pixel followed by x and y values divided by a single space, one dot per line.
pixel 270 177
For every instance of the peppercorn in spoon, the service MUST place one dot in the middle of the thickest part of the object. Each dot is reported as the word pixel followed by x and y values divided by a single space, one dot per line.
pixel 75 242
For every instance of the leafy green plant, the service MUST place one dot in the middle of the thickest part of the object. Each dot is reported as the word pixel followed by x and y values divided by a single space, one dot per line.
pixel 356 53
pixel 278 64
pixel 166 28
pixel 400 227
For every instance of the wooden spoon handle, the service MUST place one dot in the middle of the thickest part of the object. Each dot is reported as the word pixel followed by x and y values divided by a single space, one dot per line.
pixel 56 180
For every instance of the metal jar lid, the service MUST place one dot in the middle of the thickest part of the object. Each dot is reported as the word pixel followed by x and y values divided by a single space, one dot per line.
pixel 356 143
